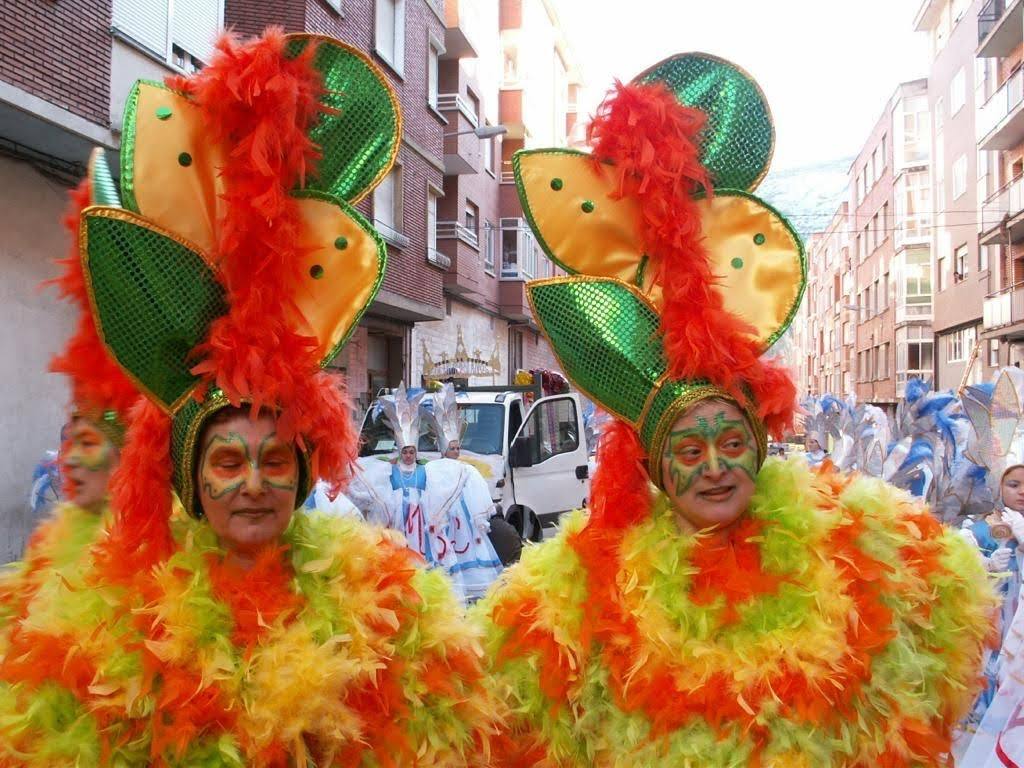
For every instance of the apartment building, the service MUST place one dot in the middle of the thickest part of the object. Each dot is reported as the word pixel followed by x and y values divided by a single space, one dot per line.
pixel 506 66
pixel 1000 144
pixel 960 265
pixel 830 324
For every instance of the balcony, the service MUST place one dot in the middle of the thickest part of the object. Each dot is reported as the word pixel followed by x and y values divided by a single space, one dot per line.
pixel 1005 206
pixel 1004 309
pixel 461 25
pixel 454 230
pixel 999 121
pixel 461 152
pixel 512 302
pixel 1000 28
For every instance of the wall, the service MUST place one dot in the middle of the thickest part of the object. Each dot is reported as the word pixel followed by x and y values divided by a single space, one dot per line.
pixel 60 52
pixel 481 333
pixel 32 402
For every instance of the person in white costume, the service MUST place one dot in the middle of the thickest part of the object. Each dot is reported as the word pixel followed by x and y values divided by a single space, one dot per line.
pixel 998 740
pixel 458 494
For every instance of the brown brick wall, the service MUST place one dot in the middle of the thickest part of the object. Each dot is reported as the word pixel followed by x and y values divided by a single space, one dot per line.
pixel 249 18
pixel 60 52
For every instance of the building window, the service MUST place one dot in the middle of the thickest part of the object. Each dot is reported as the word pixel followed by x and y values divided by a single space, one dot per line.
pixel 959 344
pixel 993 353
pixel 982 258
pixel 941 272
pixel 884 158
pixel 957 92
pixel 390 33
pixel 433 55
pixel 488 235
pixel 960 265
pixel 473 221
pixel 387 206
pixel 432 196
pixel 882 368
pixel 959 176
pixel 180 33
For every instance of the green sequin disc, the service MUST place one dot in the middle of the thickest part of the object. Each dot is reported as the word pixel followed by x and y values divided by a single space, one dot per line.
pixel 360 134
pixel 737 263
pixel 588 206
pixel 738 141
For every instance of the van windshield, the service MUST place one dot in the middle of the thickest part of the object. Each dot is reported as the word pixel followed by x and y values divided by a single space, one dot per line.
pixel 485 428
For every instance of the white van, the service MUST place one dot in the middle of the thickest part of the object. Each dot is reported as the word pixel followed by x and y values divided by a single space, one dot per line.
pixel 535 460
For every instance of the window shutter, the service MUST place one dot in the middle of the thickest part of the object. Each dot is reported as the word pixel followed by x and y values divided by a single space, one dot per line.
pixel 196 25
pixel 145 21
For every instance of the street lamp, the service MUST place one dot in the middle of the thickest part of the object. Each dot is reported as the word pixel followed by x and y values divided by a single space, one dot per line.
pixel 482 132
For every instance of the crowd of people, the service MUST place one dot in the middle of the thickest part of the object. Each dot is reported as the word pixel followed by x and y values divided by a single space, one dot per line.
pixel 189 604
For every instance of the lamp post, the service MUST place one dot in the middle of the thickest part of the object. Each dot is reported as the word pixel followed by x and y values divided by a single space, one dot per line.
pixel 481 132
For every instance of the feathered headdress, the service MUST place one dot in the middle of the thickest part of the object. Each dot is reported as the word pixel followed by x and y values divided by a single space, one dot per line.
pixel 100 391
pixel 680 277
pixel 231 267
pixel 402 413
pixel 996 413
pixel 445 417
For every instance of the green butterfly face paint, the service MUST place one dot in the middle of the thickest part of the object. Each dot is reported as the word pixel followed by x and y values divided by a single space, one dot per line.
pixel 248 480
pixel 709 464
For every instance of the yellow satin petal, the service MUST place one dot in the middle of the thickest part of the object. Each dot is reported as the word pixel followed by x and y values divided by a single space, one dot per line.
pixel 602 243
pixel 341 268
pixel 758 258
pixel 179 196
pixel 760 281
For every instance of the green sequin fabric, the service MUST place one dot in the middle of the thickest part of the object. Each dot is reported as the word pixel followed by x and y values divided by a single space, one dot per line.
pixel 185 428
pixel 360 139
pixel 738 141
pixel 154 300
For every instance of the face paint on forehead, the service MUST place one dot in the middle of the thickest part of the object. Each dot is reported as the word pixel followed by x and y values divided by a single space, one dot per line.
pixel 722 444
pixel 228 464
pixel 89 449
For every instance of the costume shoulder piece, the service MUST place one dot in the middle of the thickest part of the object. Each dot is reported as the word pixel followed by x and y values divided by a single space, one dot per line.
pixel 846 640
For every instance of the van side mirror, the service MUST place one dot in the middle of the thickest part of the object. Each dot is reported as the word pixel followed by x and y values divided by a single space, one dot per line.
pixel 520 454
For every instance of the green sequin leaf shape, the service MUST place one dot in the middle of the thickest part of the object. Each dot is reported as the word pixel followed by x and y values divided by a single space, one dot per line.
pixel 360 134
pixel 153 300
pixel 606 337
pixel 739 138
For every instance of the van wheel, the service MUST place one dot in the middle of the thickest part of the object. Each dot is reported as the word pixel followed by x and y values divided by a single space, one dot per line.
pixel 526 523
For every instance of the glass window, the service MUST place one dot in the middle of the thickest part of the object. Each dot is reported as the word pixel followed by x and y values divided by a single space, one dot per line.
pixel 488 235
pixel 957 92
pixel 960 265
pixel 959 176
pixel 387 202
pixel 472 219
pixel 431 220
pixel 551 429
pixel 432 74
pixel 390 32
pixel 485 427
pixel 993 353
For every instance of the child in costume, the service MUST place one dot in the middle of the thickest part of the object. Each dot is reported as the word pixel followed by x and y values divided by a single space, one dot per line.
pixel 225 274
pixel 714 608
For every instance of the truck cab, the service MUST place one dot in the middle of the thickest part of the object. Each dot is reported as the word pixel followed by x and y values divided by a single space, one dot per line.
pixel 550 474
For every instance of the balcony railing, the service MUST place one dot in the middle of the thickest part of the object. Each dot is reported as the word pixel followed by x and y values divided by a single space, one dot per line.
pixel 1002 104
pixel 507 176
pixel 456 230
pixel 1004 307
pixel 449 102
pixel 1007 201
pixel 988 18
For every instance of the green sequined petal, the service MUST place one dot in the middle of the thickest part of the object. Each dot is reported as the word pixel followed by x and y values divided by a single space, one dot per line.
pixel 360 139
pixel 153 299
pixel 739 139
pixel 606 338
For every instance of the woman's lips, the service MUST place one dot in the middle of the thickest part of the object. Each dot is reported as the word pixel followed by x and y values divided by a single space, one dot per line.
pixel 252 513
pixel 717 493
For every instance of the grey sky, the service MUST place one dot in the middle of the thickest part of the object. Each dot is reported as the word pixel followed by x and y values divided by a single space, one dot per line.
pixel 826 66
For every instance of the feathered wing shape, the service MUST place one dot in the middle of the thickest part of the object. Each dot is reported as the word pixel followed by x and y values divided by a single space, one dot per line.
pixel 445 416
pixel 402 412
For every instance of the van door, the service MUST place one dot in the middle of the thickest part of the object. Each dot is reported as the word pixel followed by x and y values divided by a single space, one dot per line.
pixel 548 461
